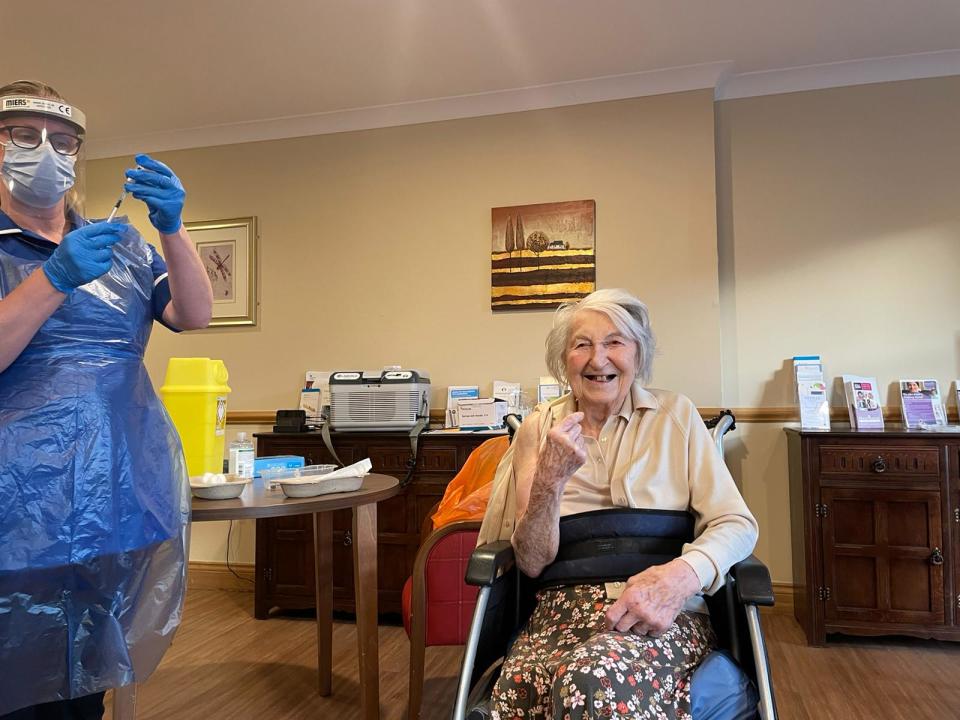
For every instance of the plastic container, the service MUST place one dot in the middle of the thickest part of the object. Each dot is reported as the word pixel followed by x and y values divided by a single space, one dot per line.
pixel 232 488
pixel 241 455
pixel 195 394
pixel 272 462
pixel 310 481
pixel 272 475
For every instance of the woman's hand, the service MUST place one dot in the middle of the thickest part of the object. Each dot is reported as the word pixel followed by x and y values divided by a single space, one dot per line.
pixel 653 599
pixel 537 534
pixel 82 256
pixel 562 454
pixel 161 190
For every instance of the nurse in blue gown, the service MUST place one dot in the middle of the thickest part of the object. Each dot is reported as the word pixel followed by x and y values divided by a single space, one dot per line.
pixel 94 499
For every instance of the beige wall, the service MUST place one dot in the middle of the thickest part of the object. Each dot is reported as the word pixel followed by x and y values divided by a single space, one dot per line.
pixel 839 234
pixel 841 211
pixel 375 247
pixel 836 213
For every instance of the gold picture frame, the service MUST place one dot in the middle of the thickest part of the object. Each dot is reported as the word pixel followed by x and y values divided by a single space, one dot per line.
pixel 228 250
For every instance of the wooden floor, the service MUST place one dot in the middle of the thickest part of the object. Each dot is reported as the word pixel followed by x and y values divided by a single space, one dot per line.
pixel 225 664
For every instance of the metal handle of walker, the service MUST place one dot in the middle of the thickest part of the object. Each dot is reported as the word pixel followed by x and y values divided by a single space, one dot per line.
pixel 512 422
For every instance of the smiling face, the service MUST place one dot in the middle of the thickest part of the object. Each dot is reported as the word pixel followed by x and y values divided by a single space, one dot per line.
pixel 601 363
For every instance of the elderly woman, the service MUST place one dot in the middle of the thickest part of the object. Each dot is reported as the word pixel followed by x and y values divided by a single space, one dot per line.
pixel 610 442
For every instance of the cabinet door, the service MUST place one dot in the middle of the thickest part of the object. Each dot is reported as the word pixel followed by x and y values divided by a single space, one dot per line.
pixel 289 564
pixel 955 549
pixel 882 556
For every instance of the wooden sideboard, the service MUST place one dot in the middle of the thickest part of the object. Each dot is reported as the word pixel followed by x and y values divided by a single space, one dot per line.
pixel 875 532
pixel 284 554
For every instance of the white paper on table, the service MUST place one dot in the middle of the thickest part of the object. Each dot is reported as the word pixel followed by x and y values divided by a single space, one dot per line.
pixel 358 469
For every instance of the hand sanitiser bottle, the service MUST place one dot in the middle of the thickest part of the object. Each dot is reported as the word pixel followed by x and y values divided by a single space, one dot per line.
pixel 241 456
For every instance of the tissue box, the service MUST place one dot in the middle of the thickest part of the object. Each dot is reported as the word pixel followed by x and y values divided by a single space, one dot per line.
pixel 481 413
pixel 274 462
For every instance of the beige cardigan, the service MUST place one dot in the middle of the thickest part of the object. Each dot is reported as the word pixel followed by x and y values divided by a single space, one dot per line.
pixel 665 459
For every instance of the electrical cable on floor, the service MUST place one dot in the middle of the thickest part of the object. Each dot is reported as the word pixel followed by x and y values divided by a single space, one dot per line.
pixel 236 574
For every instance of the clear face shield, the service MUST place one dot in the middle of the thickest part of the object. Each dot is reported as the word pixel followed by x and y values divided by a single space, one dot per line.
pixel 43 152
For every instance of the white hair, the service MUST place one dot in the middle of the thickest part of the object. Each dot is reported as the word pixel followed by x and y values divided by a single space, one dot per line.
pixel 630 316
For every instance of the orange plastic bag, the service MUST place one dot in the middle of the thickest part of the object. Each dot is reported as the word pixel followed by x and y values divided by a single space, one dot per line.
pixel 467 494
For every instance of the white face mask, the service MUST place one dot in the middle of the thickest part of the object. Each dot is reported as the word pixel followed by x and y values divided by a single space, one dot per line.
pixel 37 177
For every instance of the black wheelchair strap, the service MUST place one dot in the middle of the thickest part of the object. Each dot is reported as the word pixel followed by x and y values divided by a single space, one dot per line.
pixel 608 545
pixel 598 548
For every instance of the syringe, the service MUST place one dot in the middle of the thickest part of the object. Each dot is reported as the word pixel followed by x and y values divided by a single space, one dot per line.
pixel 116 207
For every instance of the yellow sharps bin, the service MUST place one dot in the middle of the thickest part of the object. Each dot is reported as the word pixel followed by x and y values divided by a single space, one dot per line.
pixel 195 394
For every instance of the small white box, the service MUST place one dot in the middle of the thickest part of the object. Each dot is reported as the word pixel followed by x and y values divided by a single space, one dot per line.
pixel 455 393
pixel 310 403
pixel 509 391
pixel 319 379
pixel 481 412
pixel 548 388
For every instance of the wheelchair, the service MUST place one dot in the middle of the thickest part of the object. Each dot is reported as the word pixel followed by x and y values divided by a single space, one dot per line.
pixel 732 683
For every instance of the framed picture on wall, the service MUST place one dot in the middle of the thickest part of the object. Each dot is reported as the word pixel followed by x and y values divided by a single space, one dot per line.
pixel 228 250
pixel 542 255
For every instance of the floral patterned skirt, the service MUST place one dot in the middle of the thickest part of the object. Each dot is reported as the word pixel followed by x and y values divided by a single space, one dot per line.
pixel 566 665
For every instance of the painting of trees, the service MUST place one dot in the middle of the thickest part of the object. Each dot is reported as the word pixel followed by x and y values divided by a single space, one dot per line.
pixel 556 262
pixel 538 242
pixel 510 244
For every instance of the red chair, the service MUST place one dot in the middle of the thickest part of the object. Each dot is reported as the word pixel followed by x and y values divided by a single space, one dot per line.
pixel 437 603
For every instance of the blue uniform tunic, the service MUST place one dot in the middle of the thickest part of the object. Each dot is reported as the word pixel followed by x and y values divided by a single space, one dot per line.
pixel 94 498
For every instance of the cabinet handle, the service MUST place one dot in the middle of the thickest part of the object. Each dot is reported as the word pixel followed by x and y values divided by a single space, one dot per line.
pixel 879 465
pixel 937 557
pixel 348 540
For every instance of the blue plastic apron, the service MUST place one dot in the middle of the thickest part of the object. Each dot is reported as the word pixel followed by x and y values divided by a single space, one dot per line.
pixel 94 498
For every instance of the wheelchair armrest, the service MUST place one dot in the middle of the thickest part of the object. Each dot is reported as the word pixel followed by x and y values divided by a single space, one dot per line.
pixel 490 562
pixel 753 582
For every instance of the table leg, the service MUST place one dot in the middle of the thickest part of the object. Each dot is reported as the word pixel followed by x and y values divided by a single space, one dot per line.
pixel 323 554
pixel 365 594
pixel 125 702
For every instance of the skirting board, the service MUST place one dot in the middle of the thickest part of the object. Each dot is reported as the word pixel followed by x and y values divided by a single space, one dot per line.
pixel 782 599
pixel 203 575
pixel 215 576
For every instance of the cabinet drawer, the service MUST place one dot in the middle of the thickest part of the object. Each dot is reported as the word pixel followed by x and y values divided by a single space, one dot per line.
pixel 389 459
pixel 438 459
pixel 879 461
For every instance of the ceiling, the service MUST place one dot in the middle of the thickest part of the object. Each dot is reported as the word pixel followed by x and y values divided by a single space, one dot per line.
pixel 185 73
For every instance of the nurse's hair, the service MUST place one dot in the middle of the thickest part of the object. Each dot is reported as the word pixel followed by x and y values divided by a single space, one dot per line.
pixel 627 313
pixel 33 88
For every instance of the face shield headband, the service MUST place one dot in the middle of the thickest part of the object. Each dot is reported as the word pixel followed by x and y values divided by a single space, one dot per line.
pixel 44 107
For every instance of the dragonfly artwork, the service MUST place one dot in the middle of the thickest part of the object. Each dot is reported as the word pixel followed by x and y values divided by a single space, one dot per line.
pixel 218 262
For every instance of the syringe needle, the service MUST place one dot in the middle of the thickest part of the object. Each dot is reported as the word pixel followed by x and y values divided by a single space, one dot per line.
pixel 116 207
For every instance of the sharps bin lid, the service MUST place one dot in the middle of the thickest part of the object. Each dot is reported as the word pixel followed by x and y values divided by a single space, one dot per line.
pixel 195 375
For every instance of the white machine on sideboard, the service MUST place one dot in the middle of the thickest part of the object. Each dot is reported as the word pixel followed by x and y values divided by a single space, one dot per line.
pixel 386 400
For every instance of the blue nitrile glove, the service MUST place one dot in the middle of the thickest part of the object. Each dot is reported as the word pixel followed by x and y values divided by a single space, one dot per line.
pixel 83 255
pixel 155 184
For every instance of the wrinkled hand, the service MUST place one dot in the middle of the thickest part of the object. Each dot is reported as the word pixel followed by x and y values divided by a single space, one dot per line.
pixel 82 256
pixel 161 190
pixel 563 451
pixel 653 599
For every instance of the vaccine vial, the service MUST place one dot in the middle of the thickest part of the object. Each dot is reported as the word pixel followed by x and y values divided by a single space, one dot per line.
pixel 240 462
